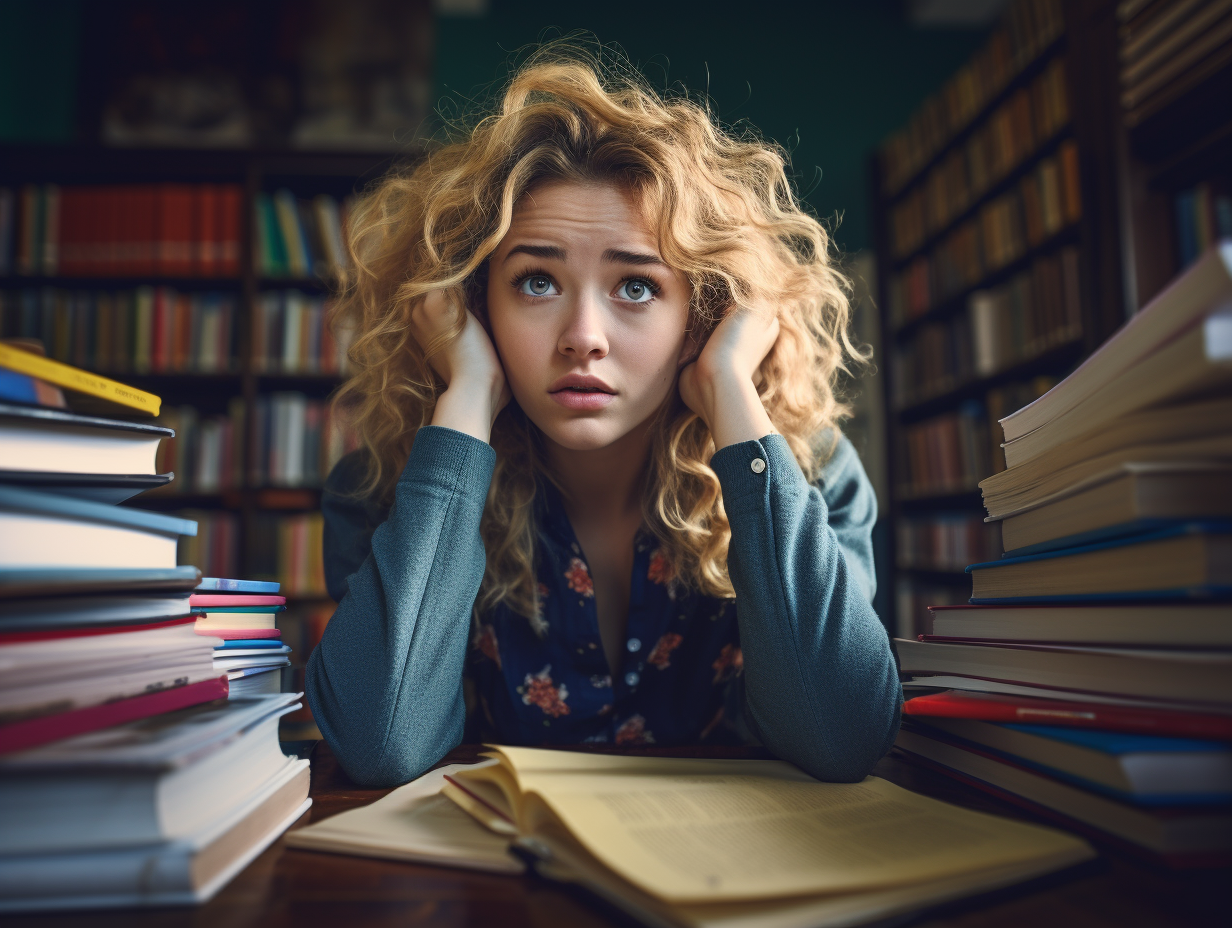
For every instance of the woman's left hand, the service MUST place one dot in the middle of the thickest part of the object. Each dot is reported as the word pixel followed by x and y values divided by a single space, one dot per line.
pixel 721 384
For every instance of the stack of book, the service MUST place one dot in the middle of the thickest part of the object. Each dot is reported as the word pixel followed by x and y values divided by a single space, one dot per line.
pixel 127 774
pixel 1091 675
pixel 243 613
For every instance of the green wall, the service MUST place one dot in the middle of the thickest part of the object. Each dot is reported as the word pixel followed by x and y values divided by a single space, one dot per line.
pixel 38 70
pixel 828 80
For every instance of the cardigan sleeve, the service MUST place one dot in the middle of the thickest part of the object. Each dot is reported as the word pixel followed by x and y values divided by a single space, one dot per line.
pixel 820 682
pixel 385 683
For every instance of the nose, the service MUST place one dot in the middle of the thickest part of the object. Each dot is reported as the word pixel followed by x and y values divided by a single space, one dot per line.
pixel 584 334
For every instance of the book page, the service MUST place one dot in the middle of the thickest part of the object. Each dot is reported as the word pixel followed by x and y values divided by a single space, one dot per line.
pixel 699 838
pixel 414 822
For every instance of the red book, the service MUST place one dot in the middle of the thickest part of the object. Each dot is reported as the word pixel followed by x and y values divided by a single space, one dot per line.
pixel 29 733
pixel 1025 710
pixel 206 235
pixel 230 229
pixel 229 634
pixel 202 600
pixel 145 229
pixel 175 230
pixel 110 231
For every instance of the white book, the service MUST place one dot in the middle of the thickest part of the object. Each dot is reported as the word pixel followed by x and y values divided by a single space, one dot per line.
pixel 1199 291
pixel 56 441
pixel 180 872
pixel 157 779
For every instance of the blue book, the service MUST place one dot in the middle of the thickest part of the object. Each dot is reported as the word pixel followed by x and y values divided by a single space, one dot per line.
pixel 240 644
pixel 17 388
pixel 204 610
pixel 1183 561
pixel 50 531
pixel 41 581
pixel 224 585
pixel 1145 770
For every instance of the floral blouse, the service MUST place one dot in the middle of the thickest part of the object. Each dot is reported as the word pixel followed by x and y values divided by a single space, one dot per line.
pixel 553 685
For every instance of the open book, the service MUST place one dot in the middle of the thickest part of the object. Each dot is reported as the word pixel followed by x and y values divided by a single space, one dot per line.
pixel 745 842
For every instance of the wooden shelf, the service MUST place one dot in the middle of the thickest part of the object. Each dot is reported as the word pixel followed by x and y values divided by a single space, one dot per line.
pixel 1056 357
pixel 117 281
pixel 998 187
pixel 958 301
pixel 1027 73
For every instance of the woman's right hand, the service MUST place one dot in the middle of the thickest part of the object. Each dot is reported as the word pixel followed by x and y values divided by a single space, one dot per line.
pixel 475 386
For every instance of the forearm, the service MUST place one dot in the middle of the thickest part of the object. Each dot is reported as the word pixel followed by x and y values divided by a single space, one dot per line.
pixel 821 685
pixel 385 683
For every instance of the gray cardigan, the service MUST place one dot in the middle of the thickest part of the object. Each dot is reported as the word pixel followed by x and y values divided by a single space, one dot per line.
pixel 820 685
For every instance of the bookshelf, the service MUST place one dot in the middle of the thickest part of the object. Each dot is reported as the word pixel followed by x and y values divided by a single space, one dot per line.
pixel 242 361
pixel 1040 198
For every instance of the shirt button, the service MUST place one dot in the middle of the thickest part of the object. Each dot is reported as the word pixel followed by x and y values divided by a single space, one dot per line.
pixel 632 678
pixel 634 645
pixel 757 465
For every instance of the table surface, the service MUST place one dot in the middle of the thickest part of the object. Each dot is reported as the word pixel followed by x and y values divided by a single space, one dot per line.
pixel 291 887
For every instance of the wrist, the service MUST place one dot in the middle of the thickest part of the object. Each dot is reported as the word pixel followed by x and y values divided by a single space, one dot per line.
pixel 735 412
pixel 469 406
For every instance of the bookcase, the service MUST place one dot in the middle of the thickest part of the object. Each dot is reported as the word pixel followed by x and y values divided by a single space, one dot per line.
pixel 207 315
pixel 1030 206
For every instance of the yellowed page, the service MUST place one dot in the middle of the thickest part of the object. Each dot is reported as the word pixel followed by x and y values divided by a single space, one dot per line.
pixel 713 838
pixel 414 822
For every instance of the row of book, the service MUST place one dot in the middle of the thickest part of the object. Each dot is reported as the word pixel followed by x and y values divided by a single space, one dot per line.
pixel 139 755
pixel 292 334
pixel 176 230
pixel 146 330
pixel 1203 216
pixel 1028 28
pixel 1166 49
pixel 284 548
pixel 1034 312
pixel 945 541
pixel 953 452
pixel 1090 676
pixel 295 442
pixel 946 454
pixel 1011 134
pixel 299 238
pixel 1043 204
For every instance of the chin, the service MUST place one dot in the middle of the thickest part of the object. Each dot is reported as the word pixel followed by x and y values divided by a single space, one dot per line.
pixel 583 434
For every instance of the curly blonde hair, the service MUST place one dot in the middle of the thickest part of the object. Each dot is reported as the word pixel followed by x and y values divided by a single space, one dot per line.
pixel 726 216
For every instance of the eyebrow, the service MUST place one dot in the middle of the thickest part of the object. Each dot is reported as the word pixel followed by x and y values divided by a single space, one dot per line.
pixel 615 255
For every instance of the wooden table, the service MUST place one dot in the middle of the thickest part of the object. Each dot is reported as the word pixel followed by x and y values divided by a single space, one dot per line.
pixel 287 888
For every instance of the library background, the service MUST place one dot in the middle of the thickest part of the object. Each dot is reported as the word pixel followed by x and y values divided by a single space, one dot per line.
pixel 180 227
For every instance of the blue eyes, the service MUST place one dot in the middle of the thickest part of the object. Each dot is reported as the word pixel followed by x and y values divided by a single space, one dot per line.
pixel 537 285
pixel 633 290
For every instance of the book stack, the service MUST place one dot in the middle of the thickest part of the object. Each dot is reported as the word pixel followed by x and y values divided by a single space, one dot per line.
pixel 243 613
pixel 180 230
pixel 1090 677
pixel 130 771
pixel 299 238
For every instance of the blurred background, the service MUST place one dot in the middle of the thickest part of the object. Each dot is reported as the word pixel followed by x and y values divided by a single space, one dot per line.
pixel 1006 183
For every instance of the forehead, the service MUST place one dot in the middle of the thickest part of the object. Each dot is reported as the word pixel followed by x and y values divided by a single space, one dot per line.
pixel 568 212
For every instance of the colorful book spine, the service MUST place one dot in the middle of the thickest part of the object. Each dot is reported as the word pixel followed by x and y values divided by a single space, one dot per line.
pixel 299 238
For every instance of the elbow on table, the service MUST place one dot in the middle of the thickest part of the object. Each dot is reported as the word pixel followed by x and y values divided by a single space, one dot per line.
pixel 843 750
pixel 360 742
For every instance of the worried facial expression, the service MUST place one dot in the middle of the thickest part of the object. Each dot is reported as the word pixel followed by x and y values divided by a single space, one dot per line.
pixel 588 320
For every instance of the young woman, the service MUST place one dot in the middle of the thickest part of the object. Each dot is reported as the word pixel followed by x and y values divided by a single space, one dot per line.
pixel 603 496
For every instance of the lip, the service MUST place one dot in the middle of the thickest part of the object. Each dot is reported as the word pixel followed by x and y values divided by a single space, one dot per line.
pixel 571 399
